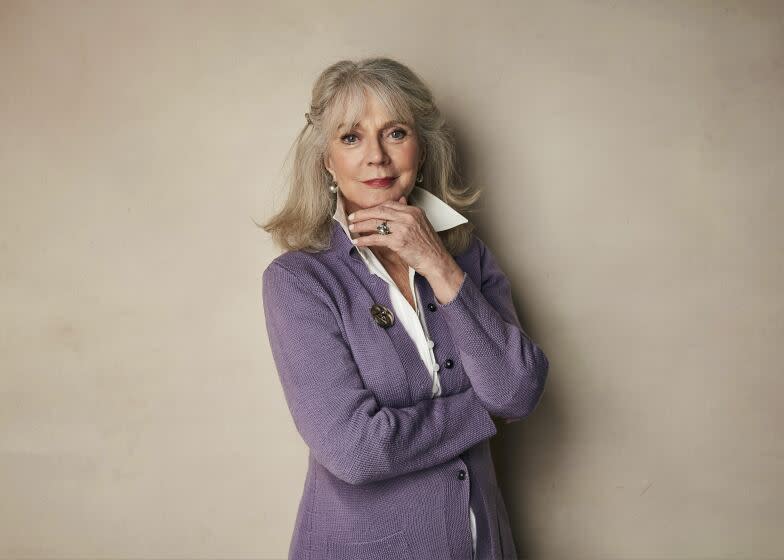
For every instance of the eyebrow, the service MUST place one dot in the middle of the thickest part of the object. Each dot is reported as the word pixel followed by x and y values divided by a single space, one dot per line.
pixel 383 126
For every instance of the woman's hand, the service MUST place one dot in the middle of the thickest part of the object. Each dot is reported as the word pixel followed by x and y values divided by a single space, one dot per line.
pixel 413 238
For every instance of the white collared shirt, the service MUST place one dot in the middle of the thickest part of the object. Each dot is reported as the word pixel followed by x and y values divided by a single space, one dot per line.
pixel 442 217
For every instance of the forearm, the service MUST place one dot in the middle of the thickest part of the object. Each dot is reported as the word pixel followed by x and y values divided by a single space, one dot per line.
pixel 340 420
pixel 507 369
pixel 395 441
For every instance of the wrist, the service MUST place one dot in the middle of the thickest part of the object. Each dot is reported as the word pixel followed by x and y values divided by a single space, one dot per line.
pixel 446 280
pixel 443 269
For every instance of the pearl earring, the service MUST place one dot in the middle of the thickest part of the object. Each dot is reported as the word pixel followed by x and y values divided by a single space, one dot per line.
pixel 420 178
pixel 333 187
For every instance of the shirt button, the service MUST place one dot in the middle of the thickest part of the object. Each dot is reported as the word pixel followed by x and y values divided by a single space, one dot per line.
pixel 461 474
pixel 448 364
pixel 436 367
pixel 430 343
pixel 431 306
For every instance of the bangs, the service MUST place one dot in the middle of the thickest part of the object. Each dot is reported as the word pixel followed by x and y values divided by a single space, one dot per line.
pixel 349 103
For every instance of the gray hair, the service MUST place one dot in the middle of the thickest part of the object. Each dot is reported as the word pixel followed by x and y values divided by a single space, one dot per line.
pixel 338 97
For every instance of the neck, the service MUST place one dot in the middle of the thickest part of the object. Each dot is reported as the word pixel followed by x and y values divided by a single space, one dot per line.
pixel 387 256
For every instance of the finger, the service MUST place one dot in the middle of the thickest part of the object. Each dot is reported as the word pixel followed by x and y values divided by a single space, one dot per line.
pixel 400 203
pixel 374 239
pixel 371 225
pixel 381 211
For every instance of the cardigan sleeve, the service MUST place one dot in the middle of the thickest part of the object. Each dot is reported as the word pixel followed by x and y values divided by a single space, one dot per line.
pixel 339 419
pixel 506 368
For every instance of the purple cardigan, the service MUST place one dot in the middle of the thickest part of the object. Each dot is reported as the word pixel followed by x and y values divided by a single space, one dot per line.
pixel 392 470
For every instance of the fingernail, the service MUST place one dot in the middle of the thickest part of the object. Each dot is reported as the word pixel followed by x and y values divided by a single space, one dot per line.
pixel 351 216
pixel 351 226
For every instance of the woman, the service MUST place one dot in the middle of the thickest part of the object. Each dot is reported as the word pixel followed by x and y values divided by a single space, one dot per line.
pixel 393 330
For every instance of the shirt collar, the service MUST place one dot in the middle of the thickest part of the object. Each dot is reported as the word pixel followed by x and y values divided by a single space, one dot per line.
pixel 439 213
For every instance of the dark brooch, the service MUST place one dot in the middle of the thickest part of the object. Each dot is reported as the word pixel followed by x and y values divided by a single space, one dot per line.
pixel 383 316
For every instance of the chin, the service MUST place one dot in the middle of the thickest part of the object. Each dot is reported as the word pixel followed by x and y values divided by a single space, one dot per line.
pixel 368 197
pixel 387 194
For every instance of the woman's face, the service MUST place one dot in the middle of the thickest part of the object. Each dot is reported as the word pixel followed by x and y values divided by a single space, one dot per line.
pixel 373 149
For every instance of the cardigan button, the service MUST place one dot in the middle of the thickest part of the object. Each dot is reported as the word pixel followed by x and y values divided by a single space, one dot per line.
pixel 448 364
pixel 461 474
pixel 431 306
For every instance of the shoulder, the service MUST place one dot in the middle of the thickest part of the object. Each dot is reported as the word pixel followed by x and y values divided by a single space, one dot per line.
pixel 289 288
pixel 304 263
pixel 291 261
pixel 300 266
pixel 475 247
pixel 472 258
pixel 306 278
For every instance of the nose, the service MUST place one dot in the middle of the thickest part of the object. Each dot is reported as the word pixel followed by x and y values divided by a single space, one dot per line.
pixel 376 153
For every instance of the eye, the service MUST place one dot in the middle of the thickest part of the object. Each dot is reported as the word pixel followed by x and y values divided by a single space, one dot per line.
pixel 343 138
pixel 404 133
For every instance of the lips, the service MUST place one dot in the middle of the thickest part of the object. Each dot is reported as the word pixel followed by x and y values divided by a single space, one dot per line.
pixel 383 182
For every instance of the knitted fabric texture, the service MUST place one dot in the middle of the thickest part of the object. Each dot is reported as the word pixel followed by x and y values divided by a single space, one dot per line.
pixel 392 471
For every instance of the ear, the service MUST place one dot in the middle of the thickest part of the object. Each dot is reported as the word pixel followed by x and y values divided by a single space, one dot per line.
pixel 327 161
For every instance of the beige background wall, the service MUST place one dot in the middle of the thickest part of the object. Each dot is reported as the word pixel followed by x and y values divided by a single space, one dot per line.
pixel 632 158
